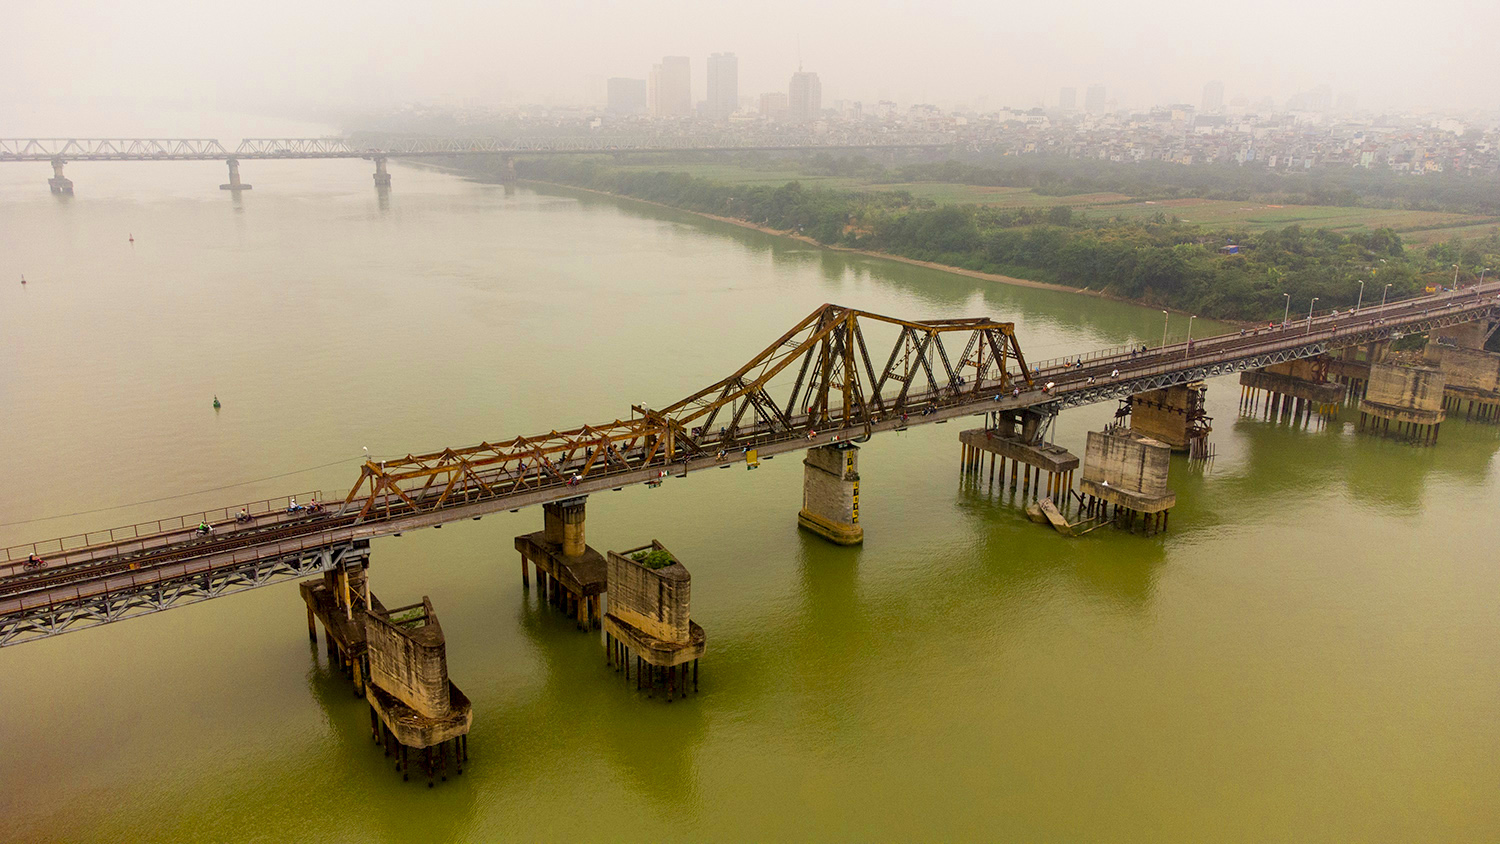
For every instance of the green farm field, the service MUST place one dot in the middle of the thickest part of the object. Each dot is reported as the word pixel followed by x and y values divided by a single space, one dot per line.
pixel 1256 216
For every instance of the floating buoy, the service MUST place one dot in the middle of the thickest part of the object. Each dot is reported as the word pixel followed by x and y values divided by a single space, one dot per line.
pixel 132 237
pixel 216 403
pixel 23 278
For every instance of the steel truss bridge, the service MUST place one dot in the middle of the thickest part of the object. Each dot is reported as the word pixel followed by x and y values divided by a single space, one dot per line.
pixel 838 375
pixel 209 149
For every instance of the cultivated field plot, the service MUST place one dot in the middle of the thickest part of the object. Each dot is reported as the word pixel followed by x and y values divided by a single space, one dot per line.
pixel 950 194
pixel 733 174
pixel 1257 216
pixel 1475 232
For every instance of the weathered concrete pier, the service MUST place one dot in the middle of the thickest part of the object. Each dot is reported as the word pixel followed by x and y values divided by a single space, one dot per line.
pixel 1471 373
pixel 1016 439
pixel 338 600
pixel 648 625
pixel 1174 416
pixel 414 706
pixel 830 493
pixel 1292 390
pixel 382 175
pixel 1408 395
pixel 1127 471
pixel 234 182
pixel 59 183
pixel 570 574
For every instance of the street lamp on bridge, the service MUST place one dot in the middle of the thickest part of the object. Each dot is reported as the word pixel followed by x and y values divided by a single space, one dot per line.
pixel 1167 317
pixel 1309 313
pixel 1287 311
pixel 1383 295
pixel 1189 349
pixel 1361 299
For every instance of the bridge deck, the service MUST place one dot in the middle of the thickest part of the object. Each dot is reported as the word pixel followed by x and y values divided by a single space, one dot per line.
pixel 113 569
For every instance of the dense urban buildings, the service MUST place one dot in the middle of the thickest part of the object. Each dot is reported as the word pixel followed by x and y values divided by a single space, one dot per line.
pixel 804 97
pixel 671 87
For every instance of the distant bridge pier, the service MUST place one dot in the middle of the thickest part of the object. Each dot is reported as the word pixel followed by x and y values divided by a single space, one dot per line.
pixel 382 175
pixel 569 574
pixel 507 170
pixel 830 493
pixel 1174 416
pixel 234 182
pixel 1471 374
pixel 1295 389
pixel 1405 402
pixel 59 183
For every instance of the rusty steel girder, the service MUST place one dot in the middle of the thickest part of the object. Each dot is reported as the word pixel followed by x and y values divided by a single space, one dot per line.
pixel 818 376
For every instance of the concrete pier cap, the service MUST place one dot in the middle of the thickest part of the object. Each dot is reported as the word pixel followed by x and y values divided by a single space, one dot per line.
pixel 1128 469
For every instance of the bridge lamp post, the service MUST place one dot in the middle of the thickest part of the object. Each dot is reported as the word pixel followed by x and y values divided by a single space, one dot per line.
pixel 1166 318
pixel 1455 276
pixel 1287 311
pixel 1309 313
pixel 1361 300
pixel 1481 274
pixel 1189 349
pixel 1385 294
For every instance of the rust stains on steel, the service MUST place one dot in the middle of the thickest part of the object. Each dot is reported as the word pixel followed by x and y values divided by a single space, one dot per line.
pixel 818 376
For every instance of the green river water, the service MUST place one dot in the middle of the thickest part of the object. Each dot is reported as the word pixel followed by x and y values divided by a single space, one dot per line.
pixel 1311 653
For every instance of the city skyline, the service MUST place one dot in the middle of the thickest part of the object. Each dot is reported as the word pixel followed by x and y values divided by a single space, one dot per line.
pixel 954 53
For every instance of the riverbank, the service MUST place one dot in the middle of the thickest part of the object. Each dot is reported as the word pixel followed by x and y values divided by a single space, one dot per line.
pixel 869 253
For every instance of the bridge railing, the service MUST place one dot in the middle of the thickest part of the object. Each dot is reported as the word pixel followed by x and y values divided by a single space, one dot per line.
pixel 65 544
pixel 128 581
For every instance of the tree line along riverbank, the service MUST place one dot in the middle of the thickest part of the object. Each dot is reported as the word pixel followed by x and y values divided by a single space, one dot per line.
pixel 1160 260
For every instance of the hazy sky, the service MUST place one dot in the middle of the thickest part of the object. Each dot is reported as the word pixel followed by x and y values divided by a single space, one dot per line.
pixel 1439 53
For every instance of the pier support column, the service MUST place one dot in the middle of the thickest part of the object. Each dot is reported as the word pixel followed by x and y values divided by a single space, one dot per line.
pixel 830 493
pixel 507 170
pixel 234 182
pixel 382 176
pixel 59 183
pixel 563 524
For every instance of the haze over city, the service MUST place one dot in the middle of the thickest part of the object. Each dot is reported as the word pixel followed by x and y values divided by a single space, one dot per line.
pixel 285 55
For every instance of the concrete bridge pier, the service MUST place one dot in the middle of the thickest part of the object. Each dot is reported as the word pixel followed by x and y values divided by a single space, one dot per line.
pixel 382 175
pixel 830 493
pixel 1041 469
pixel 1405 402
pixel 1125 480
pixel 59 184
pixel 1294 390
pixel 1471 374
pixel 648 626
pixel 507 170
pixel 415 709
pixel 1174 416
pixel 569 574
pixel 234 182
pixel 338 600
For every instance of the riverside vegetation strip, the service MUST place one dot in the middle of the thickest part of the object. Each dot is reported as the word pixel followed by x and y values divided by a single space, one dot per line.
pixel 1154 257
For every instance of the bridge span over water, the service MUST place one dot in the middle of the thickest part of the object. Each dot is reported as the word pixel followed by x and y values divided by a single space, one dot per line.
pixel 837 378
pixel 381 148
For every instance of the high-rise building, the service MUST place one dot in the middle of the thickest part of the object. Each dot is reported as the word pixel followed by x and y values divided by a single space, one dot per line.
pixel 773 105
pixel 626 96
pixel 804 97
pixel 671 87
pixel 1093 99
pixel 1067 99
pixel 723 85
pixel 1213 96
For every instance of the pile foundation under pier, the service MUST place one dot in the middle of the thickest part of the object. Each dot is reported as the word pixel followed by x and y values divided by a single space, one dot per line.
pixel 648 628
pixel 417 713
pixel 338 600
pixel 234 182
pixel 1038 470
pixel 1471 376
pixel 1125 480
pixel 1404 401
pixel 1294 391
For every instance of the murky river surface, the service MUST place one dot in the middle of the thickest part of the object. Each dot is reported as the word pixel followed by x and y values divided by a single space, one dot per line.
pixel 1311 653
